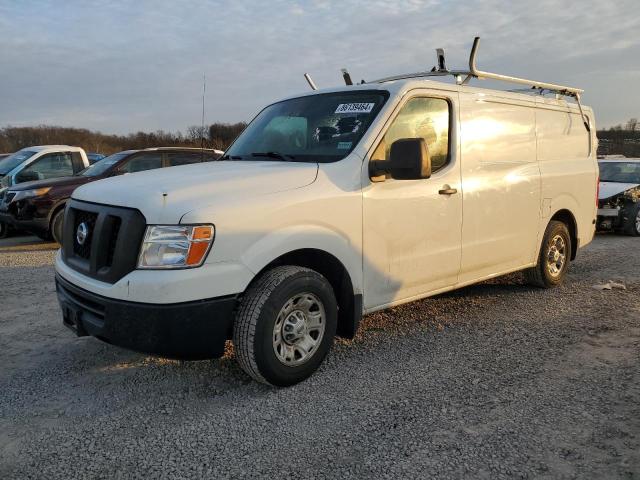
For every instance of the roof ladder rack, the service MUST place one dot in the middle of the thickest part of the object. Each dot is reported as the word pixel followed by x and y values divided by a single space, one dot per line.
pixel 473 72
pixel 560 89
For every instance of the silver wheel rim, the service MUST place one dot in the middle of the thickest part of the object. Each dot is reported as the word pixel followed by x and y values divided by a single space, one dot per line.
pixel 556 255
pixel 299 329
pixel 638 221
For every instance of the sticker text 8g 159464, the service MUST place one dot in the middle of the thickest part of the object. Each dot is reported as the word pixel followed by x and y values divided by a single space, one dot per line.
pixel 355 108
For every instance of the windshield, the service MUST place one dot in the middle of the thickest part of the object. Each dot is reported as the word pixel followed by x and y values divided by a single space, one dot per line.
pixel 101 166
pixel 12 161
pixel 621 172
pixel 317 128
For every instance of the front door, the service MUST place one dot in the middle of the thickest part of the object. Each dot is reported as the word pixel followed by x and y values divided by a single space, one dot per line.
pixel 412 228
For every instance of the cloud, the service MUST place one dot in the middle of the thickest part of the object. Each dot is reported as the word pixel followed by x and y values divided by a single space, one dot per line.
pixel 125 66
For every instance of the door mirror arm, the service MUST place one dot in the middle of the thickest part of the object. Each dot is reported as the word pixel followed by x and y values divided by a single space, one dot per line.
pixel 378 170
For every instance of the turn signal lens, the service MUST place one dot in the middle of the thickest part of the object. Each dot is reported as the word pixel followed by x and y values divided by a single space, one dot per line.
pixel 202 233
pixel 175 246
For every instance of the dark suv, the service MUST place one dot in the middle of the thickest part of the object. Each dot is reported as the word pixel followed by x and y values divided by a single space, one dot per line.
pixel 38 206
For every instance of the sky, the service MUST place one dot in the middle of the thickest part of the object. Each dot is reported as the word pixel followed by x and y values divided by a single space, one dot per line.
pixel 126 66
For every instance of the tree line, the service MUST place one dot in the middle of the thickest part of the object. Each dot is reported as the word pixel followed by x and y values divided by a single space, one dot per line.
pixel 620 139
pixel 217 135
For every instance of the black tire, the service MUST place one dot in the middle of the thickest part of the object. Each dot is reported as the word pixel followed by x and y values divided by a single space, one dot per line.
pixel 55 230
pixel 541 275
pixel 631 221
pixel 5 230
pixel 253 332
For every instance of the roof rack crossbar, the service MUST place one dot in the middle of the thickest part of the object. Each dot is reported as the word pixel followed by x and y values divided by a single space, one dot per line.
pixel 435 73
pixel 473 69
pixel 559 89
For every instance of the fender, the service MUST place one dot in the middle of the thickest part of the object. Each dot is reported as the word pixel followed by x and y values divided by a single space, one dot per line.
pixel 319 237
pixel 60 203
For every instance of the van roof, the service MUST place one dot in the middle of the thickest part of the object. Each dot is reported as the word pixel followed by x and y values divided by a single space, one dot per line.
pixel 403 86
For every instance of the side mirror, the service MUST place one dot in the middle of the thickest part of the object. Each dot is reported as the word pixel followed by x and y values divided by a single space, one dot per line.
pixel 408 160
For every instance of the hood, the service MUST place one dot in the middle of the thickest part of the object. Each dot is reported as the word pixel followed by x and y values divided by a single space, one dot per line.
pixel 166 194
pixel 609 189
pixel 52 182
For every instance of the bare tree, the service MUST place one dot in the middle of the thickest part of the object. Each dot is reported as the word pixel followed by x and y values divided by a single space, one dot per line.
pixel 215 136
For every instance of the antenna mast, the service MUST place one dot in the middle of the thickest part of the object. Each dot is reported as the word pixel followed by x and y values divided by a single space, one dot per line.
pixel 204 92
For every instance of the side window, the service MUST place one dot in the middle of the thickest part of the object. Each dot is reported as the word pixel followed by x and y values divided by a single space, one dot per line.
pixel 140 163
pixel 185 158
pixel 77 161
pixel 420 117
pixel 51 165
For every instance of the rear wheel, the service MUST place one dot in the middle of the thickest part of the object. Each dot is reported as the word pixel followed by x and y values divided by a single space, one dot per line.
pixel 632 221
pixel 56 226
pixel 285 325
pixel 553 260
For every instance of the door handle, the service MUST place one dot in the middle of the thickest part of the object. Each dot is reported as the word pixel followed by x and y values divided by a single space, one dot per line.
pixel 447 190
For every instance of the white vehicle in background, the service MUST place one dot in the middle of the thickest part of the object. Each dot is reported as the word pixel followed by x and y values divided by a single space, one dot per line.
pixel 619 195
pixel 330 205
pixel 39 163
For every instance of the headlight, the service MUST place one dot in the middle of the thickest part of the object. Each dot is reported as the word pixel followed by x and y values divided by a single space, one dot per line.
pixel 6 181
pixel 175 246
pixel 37 192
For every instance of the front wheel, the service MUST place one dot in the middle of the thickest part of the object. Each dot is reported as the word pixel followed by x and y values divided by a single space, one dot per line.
pixel 56 226
pixel 553 260
pixel 285 325
pixel 632 221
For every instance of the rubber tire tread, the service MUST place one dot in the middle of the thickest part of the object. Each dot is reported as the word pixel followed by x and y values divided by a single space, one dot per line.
pixel 52 228
pixel 536 275
pixel 248 315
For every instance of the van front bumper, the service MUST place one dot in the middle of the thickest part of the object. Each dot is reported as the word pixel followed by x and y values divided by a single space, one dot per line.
pixel 190 330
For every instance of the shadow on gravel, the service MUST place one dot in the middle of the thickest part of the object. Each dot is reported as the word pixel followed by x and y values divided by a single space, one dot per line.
pixel 26 244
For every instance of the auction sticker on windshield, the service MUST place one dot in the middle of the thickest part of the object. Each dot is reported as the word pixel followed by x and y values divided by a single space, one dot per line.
pixel 355 108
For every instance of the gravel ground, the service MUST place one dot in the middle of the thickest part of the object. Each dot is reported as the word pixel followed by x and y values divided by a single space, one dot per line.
pixel 496 380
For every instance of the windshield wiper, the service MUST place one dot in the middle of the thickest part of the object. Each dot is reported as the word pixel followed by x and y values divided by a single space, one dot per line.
pixel 230 157
pixel 276 155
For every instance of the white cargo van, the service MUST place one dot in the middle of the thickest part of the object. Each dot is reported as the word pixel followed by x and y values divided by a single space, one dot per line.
pixel 330 205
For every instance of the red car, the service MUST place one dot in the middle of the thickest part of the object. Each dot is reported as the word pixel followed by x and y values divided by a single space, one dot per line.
pixel 38 206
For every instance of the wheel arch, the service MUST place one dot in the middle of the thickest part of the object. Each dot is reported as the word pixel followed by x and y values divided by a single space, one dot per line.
pixel 58 206
pixel 330 267
pixel 565 216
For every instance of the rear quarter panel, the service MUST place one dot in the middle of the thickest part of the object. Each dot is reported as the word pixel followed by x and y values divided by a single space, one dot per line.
pixel 568 166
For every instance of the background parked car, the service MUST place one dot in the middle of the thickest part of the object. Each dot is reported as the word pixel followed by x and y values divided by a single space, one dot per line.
pixel 94 157
pixel 39 206
pixel 619 197
pixel 38 163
